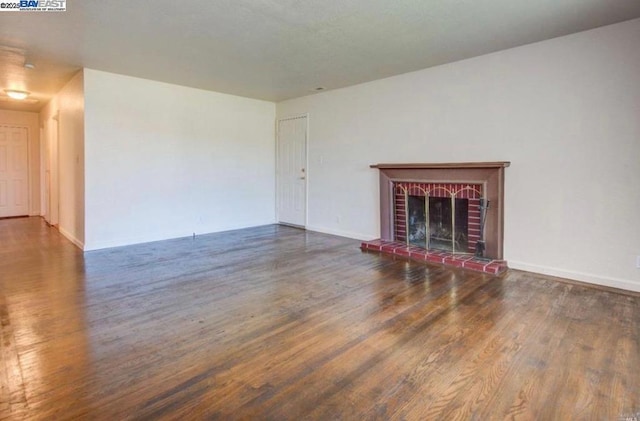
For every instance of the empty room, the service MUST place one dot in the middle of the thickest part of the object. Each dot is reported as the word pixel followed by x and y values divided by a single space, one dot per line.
pixel 286 210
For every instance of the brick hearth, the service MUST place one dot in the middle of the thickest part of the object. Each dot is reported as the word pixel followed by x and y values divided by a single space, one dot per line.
pixel 395 248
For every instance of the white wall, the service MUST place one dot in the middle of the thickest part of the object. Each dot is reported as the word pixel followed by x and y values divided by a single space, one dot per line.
pixel 167 161
pixel 565 112
pixel 68 105
pixel 30 121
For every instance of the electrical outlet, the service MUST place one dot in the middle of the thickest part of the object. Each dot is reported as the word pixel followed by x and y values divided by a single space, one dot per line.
pixel 338 219
pixel 638 262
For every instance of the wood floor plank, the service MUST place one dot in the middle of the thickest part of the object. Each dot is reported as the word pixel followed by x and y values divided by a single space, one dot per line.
pixel 277 323
pixel 12 389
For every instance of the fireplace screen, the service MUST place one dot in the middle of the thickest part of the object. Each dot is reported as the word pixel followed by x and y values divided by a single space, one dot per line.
pixel 438 223
pixel 417 221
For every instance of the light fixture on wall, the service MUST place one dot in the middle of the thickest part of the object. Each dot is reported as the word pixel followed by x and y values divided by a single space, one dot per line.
pixel 19 95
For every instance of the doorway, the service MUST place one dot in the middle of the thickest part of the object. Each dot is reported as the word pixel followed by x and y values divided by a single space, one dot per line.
pixel 14 171
pixel 291 170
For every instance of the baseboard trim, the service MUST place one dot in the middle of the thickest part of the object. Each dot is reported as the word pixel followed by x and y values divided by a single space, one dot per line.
pixel 340 233
pixel 587 278
pixel 71 238
pixel 129 241
pixel 577 276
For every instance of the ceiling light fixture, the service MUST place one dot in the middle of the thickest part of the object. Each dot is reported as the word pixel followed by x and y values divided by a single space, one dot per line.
pixel 4 98
pixel 19 95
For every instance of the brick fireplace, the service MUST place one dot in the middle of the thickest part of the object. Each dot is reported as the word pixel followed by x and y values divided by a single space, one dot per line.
pixel 450 213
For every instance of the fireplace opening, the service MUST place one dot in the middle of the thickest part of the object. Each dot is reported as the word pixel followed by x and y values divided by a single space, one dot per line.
pixel 443 224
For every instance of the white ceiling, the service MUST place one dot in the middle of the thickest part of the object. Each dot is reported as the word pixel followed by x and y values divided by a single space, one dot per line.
pixel 275 49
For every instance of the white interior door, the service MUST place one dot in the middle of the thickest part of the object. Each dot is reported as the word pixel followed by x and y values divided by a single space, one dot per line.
pixel 14 171
pixel 292 171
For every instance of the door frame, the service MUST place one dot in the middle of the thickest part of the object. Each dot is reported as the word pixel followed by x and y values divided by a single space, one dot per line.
pixel 28 139
pixel 52 185
pixel 306 166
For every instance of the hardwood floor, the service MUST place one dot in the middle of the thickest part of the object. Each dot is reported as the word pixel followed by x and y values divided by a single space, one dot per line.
pixel 275 323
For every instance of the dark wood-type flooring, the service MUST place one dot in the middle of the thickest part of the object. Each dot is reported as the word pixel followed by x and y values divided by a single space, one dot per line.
pixel 274 323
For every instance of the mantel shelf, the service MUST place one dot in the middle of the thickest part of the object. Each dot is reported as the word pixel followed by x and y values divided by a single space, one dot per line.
pixel 437 165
